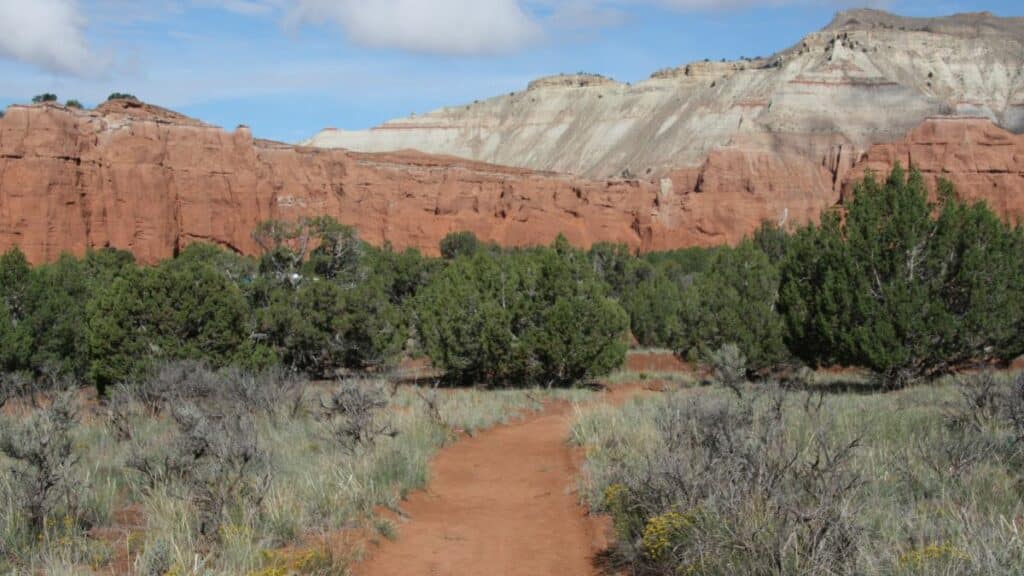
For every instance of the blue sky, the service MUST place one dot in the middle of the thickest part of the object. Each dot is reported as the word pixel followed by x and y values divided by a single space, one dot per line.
pixel 288 68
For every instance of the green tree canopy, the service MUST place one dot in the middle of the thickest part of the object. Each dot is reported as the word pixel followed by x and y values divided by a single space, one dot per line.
pixel 734 302
pixel 644 289
pixel 325 300
pixel 182 311
pixel 908 288
pixel 57 296
pixel 538 317
pixel 459 244
pixel 15 331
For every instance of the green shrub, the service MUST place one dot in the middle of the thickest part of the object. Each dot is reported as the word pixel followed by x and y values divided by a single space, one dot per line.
pixel 464 316
pixel 41 314
pixel 905 287
pixel 101 266
pixel 121 96
pixel 682 265
pixel 516 319
pixel 239 270
pixel 734 302
pixel 304 327
pixel 377 328
pixel 338 307
pixel 14 344
pixel 646 291
pixel 772 240
pixel 45 97
pixel 403 274
pixel 74 104
pixel 15 333
pixel 655 307
pixel 729 366
pixel 58 293
pixel 339 255
pixel 614 264
pixel 459 244
pixel 43 462
pixel 172 312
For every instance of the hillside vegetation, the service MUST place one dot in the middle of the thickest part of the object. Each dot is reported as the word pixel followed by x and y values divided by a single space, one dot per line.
pixel 906 287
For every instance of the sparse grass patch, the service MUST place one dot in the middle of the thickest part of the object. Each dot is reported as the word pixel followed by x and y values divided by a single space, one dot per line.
pixel 232 474
pixel 652 378
pixel 926 480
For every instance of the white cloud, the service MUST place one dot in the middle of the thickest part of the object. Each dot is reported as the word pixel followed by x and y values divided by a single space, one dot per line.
pixel 446 27
pixel 46 33
pixel 473 27
pixel 464 27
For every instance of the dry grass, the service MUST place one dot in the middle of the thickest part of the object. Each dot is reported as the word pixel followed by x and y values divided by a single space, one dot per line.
pixel 295 477
pixel 922 481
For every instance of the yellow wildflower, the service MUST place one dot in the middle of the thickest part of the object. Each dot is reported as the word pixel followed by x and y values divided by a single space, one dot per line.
pixel 932 553
pixel 663 532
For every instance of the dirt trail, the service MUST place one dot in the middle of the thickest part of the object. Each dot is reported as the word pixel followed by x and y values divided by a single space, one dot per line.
pixel 501 504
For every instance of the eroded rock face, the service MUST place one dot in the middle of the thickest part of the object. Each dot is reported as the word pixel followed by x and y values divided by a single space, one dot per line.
pixel 151 181
pixel 129 176
pixel 867 78
pixel 982 161
pixel 148 180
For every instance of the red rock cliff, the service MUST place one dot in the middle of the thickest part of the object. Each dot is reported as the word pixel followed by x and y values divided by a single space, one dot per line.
pixel 983 161
pixel 151 181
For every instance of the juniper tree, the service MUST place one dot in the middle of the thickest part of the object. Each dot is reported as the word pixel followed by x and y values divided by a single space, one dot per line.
pixel 534 317
pixel 904 286
pixel 734 302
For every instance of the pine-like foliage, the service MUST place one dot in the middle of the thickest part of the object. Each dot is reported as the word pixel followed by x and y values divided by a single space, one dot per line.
pixel 904 286
pixel 734 302
pixel 511 319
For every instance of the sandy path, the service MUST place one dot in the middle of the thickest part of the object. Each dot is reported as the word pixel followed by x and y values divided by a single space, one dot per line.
pixel 501 504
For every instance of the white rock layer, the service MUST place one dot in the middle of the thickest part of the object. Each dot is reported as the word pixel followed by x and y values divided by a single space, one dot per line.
pixel 868 77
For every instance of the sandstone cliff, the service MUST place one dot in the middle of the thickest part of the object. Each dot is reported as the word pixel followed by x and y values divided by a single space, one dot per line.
pixel 982 161
pixel 151 181
pixel 148 180
pixel 867 78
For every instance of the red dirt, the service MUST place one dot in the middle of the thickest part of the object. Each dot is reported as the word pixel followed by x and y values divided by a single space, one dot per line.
pixel 501 503
pixel 125 523
pixel 655 362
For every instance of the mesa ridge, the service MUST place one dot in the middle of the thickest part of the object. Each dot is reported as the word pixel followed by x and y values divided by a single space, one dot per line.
pixel 698 156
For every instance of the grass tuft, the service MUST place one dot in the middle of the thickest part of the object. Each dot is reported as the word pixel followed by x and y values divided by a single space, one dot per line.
pixel 212 473
pixel 926 480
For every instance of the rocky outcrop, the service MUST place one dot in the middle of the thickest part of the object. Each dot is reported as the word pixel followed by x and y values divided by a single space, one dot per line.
pixel 714 70
pixel 141 178
pixel 148 180
pixel 144 179
pixel 982 161
pixel 571 81
pixel 868 78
